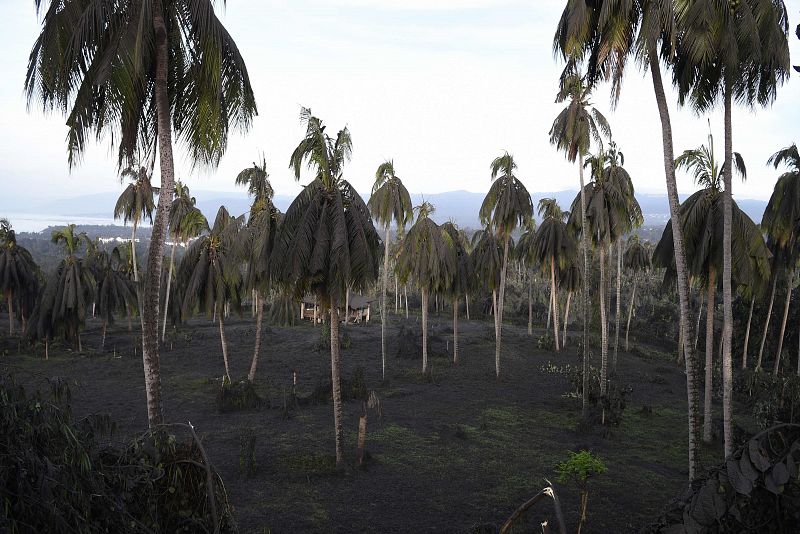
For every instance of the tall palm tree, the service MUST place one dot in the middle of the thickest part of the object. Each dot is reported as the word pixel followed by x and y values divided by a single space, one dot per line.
pixel 18 271
pixel 636 260
pixel 573 131
pixel 524 252
pixel 612 211
pixel 730 50
pixel 259 237
pixel 570 279
pixel 605 35
pixel 426 261
pixel 703 228
pixel 185 222
pixel 506 206
pixel 115 290
pixel 781 222
pixel 135 204
pixel 389 202
pixel 209 274
pixel 461 277
pixel 553 246
pixel 327 242
pixel 139 75
pixel 487 261
pixel 73 286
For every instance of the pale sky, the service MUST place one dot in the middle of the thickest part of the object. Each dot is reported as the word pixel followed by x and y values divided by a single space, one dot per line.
pixel 440 86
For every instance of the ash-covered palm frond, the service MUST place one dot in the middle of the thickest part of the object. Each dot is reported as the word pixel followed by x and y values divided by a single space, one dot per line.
pixel 508 204
pixel 579 124
pixel 137 200
pixel 115 290
pixel 462 278
pixel 426 258
pixel 552 241
pixel 390 200
pixel 487 259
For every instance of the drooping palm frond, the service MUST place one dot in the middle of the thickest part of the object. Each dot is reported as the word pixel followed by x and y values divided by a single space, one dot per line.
pixel 390 200
pixel 136 202
pixel 508 204
pixel 427 258
pixel 462 279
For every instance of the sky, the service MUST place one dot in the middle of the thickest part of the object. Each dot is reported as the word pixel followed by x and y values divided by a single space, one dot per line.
pixel 442 87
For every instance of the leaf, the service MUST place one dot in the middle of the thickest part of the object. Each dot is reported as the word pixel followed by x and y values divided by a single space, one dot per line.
pixel 740 482
pixel 758 456
pixel 746 468
pixel 780 473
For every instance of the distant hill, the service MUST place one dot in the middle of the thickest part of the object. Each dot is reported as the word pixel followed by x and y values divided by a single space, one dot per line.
pixel 459 206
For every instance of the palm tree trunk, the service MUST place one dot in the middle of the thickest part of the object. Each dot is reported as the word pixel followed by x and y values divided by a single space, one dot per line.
pixel 149 308
pixel 549 309
pixel 133 253
pixel 747 333
pixel 766 322
pixel 455 330
pixel 707 415
pixel 630 311
pixel 347 306
pixel 790 279
pixel 554 300
pixel 10 302
pixel 257 349
pixel 405 294
pixel 699 315
pixel 585 292
pixel 424 331
pixel 530 305
pixel 603 321
pixel 680 255
pixel 566 319
pixel 103 339
pixel 224 344
pixel 166 297
pixel 727 290
pixel 336 384
pixel 396 296
pixel 466 303
pixel 383 302
pixel 498 341
pixel 619 301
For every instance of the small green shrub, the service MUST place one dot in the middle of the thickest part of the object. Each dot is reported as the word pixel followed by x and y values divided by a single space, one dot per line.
pixel 578 469
pixel 239 397
pixel 546 342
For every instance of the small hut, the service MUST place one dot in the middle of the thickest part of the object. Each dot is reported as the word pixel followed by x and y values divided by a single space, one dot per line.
pixel 359 308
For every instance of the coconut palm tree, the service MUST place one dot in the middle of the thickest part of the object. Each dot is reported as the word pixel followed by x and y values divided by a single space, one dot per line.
pixel 487 261
pixel 135 204
pixel 524 253
pixel 426 260
pixel 780 221
pixel 185 222
pixel 141 77
pixel 703 228
pixel 605 35
pixel 389 202
pixel 326 242
pixel 259 237
pixel 18 271
pixel 636 260
pixel 462 276
pixel 506 206
pixel 612 211
pixel 209 274
pixel 553 246
pixel 570 279
pixel 730 50
pixel 573 131
pixel 73 286
pixel 115 290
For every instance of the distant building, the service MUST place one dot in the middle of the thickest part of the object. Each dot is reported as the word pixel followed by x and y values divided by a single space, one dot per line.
pixel 359 309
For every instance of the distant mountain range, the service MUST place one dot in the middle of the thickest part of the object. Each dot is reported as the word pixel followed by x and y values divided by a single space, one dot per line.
pixel 459 206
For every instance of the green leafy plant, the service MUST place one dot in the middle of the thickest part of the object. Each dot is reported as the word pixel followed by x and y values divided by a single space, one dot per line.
pixel 578 469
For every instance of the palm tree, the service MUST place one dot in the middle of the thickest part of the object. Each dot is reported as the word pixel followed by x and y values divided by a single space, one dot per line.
pixel 73 286
pixel 524 252
pixel 636 260
pixel 462 276
pixel 703 228
pixel 426 260
pixel 553 246
pixel 780 220
pixel 730 50
pixel 185 222
pixel 506 206
pixel 612 211
pixel 605 35
pixel 487 261
pixel 259 244
pixel 209 274
pixel 18 271
pixel 570 279
pixel 115 290
pixel 138 76
pixel 389 202
pixel 327 242
pixel 135 204
pixel 572 132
